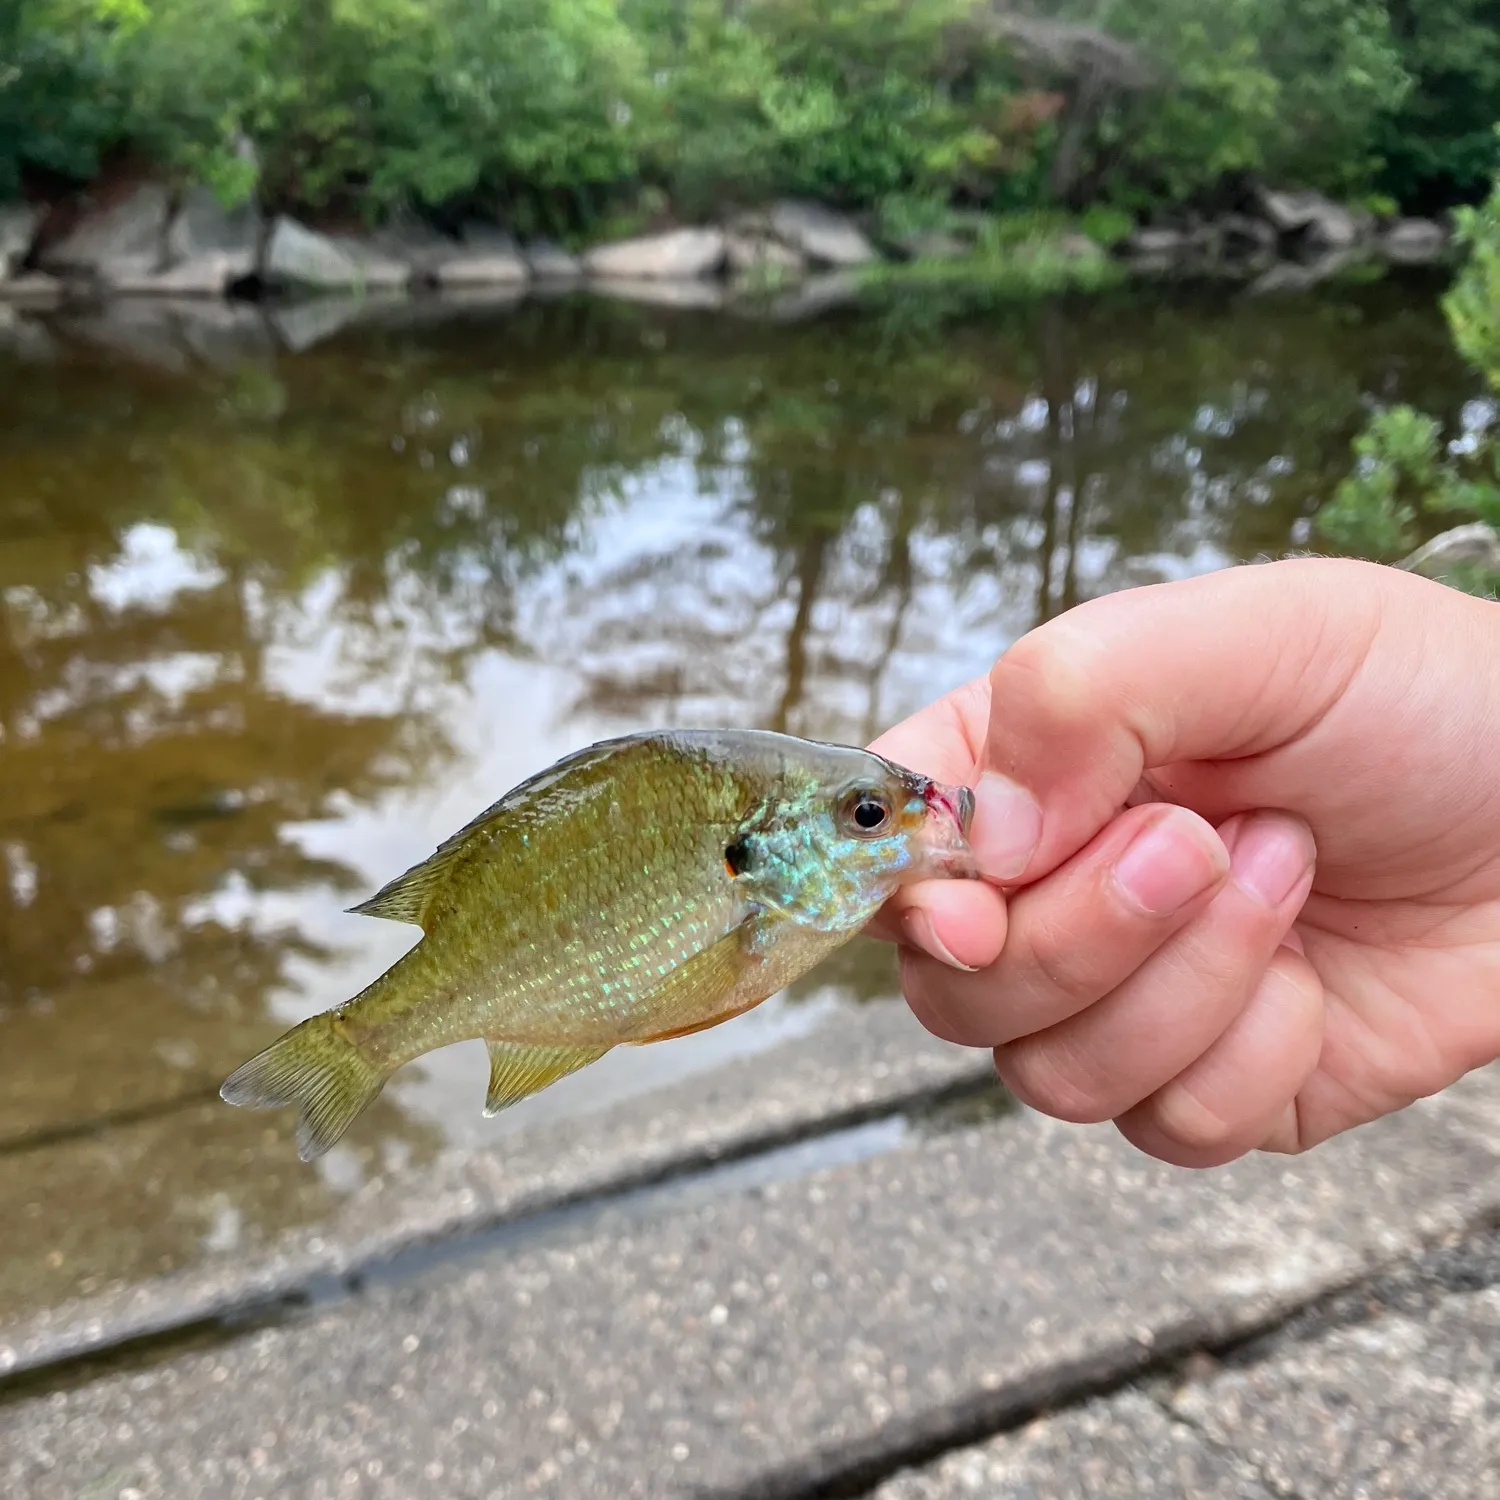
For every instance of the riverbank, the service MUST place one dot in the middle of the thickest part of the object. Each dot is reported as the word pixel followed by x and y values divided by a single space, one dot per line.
pixel 150 242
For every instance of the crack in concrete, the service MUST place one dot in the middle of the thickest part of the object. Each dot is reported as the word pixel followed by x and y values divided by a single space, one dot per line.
pixel 1226 1451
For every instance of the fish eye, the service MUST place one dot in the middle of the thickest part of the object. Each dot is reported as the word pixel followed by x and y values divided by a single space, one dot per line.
pixel 867 810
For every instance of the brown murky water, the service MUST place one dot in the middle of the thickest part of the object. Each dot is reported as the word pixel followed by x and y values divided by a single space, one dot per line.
pixel 272 624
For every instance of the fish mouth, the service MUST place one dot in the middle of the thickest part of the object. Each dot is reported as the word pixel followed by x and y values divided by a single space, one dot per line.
pixel 956 801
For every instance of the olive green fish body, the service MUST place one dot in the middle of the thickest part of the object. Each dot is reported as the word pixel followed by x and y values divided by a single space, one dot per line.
pixel 637 890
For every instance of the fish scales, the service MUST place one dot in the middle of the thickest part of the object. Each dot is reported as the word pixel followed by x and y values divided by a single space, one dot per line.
pixel 635 884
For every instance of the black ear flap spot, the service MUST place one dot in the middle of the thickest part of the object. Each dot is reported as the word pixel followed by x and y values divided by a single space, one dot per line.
pixel 737 857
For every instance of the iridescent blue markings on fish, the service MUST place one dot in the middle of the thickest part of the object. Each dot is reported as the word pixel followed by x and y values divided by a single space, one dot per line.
pixel 639 890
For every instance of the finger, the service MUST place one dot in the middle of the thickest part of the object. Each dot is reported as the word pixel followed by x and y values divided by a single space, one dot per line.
pixel 1236 1097
pixel 1082 706
pixel 1077 935
pixel 960 923
pixel 1100 1063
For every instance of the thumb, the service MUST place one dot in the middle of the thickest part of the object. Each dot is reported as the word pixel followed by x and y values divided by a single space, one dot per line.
pixel 1226 667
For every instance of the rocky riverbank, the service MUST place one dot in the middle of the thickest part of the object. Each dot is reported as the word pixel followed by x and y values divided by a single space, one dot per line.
pixel 151 242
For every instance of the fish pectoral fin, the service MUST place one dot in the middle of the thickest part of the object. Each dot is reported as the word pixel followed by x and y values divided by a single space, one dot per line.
pixel 696 995
pixel 517 1070
pixel 688 1030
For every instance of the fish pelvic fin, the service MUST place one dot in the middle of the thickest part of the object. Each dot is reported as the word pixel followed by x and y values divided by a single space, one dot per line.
pixel 317 1067
pixel 517 1070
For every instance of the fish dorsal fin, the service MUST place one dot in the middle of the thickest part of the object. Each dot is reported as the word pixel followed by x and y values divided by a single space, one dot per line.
pixel 407 897
pixel 517 1070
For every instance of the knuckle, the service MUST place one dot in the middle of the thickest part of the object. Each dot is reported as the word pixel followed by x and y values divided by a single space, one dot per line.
pixel 1184 1118
pixel 1038 1078
pixel 1060 964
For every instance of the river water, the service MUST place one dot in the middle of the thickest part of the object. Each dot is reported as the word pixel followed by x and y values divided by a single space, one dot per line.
pixel 275 622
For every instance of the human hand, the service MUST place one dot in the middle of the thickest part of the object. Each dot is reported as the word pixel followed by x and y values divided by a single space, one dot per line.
pixel 1241 837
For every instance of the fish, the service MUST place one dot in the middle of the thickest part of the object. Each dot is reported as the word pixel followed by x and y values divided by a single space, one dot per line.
pixel 641 889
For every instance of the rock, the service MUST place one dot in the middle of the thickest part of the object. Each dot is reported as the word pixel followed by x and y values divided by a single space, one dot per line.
pixel 209 275
pixel 706 296
pixel 677 255
pixel 18 226
pixel 551 262
pixel 487 257
pixel 416 244
pixel 1321 221
pixel 1414 242
pixel 751 254
pixel 1158 244
pixel 125 242
pixel 298 256
pixel 1242 237
pixel 826 238
pixel 1477 543
pixel 35 287
pixel 202 229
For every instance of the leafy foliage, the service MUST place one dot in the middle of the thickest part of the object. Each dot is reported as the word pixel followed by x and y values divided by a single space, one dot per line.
pixel 559 113
pixel 1404 468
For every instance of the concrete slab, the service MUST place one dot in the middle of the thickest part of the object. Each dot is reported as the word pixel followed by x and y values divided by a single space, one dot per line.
pixel 190 1212
pixel 761 1344
pixel 1106 1450
pixel 1402 1405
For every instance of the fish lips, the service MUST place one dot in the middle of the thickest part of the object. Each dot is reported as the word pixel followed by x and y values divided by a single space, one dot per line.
pixel 945 850
pixel 956 801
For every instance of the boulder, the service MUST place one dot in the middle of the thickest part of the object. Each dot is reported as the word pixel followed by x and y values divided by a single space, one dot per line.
pixel 18 226
pixel 826 238
pixel 1158 244
pixel 816 296
pixel 416 244
pixel 487 257
pixel 677 255
pixel 1476 543
pixel 1324 223
pixel 551 262
pixel 125 242
pixel 1414 242
pixel 298 256
pixel 750 254
pixel 202 229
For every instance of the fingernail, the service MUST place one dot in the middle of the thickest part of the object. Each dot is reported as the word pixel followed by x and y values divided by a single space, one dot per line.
pixel 1270 855
pixel 1164 867
pixel 917 928
pixel 1007 827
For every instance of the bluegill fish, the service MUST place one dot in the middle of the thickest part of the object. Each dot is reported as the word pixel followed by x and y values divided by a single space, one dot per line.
pixel 641 889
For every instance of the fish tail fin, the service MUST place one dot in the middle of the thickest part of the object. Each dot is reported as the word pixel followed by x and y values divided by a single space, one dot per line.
pixel 317 1067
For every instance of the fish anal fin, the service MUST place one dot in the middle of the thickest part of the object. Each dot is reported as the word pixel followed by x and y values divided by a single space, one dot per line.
pixel 518 1069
